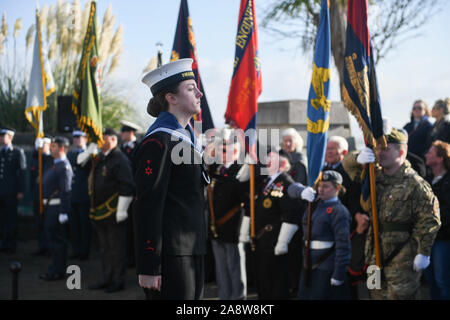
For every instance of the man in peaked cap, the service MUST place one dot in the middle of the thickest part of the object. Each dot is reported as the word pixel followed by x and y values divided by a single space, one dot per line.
pixel 112 192
pixel 57 186
pixel 128 137
pixel 80 224
pixel 170 221
pixel 12 185
pixel 408 214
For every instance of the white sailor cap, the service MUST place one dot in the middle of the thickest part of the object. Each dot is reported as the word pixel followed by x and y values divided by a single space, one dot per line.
pixel 129 126
pixel 78 133
pixel 9 131
pixel 169 74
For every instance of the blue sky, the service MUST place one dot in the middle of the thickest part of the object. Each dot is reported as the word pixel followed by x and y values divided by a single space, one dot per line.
pixel 418 68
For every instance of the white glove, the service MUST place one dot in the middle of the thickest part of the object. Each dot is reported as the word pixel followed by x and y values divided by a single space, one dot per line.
pixel 243 174
pixel 287 231
pixel 63 218
pixel 308 194
pixel 83 157
pixel 366 156
pixel 421 262
pixel 244 233
pixel 335 282
pixel 39 143
pixel 122 207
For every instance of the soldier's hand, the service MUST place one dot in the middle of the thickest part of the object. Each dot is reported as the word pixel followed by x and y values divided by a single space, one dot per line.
pixel 150 282
pixel 335 282
pixel 39 143
pixel 366 156
pixel 362 222
pixel 244 232
pixel 421 262
pixel 63 218
pixel 281 248
pixel 20 196
pixel 121 216
pixel 309 194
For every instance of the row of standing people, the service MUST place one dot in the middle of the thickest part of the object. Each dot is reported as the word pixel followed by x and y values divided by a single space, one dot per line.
pixel 68 198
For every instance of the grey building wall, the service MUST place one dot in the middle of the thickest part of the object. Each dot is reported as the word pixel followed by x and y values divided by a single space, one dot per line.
pixel 292 113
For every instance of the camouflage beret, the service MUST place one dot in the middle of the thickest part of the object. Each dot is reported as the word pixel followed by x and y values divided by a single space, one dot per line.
pixel 397 136
pixel 332 176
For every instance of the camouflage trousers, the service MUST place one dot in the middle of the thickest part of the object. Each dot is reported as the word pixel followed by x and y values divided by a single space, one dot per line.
pixel 398 284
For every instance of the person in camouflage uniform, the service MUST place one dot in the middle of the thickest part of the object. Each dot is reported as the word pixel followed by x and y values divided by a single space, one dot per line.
pixel 408 214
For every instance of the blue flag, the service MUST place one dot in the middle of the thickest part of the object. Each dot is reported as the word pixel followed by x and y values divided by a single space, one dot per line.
pixel 318 113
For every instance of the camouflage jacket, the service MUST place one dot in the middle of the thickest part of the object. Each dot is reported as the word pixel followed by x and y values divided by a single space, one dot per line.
pixel 404 199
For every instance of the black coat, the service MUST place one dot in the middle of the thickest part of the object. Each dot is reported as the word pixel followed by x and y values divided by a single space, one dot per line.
pixel 169 207
pixel 298 172
pixel 129 148
pixel 47 162
pixel 80 190
pixel 440 131
pixel 12 170
pixel 273 206
pixel 57 184
pixel 442 191
pixel 112 174
pixel 228 194
pixel 418 137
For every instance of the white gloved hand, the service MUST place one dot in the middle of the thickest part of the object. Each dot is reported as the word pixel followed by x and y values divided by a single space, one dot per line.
pixel 308 194
pixel 84 156
pixel 39 143
pixel 243 174
pixel 63 218
pixel 122 207
pixel 366 156
pixel 421 262
pixel 335 282
pixel 287 231
pixel 244 233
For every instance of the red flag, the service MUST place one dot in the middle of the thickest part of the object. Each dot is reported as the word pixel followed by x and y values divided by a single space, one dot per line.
pixel 246 83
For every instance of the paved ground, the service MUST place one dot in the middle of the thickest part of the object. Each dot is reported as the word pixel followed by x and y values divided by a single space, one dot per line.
pixel 32 288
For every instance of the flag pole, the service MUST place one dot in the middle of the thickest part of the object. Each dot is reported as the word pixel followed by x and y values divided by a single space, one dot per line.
pixel 252 206
pixel 373 198
pixel 40 133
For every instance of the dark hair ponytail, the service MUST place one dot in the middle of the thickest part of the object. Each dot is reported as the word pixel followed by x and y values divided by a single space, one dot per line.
pixel 158 103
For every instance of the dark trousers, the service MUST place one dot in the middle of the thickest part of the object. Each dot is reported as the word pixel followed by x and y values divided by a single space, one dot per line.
pixel 80 229
pixel 8 221
pixel 55 233
pixel 182 278
pixel 111 241
pixel 130 237
pixel 295 261
pixel 272 275
pixel 320 288
pixel 39 223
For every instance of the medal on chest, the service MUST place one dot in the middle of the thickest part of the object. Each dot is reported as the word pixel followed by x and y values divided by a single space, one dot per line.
pixel 277 190
pixel 267 203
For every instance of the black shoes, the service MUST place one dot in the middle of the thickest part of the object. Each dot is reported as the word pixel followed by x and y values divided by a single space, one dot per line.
pixel 49 277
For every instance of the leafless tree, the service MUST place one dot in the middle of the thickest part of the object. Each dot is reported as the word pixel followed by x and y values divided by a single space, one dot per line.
pixel 391 22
